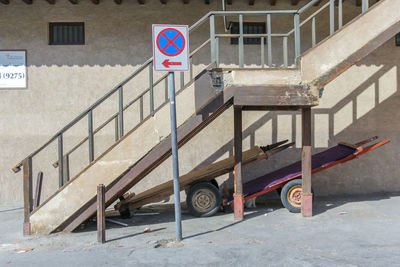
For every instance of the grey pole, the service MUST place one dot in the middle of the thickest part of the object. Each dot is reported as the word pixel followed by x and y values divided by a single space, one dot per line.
pixel 174 146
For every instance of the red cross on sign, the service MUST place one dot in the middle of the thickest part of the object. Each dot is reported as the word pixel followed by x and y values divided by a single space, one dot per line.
pixel 170 48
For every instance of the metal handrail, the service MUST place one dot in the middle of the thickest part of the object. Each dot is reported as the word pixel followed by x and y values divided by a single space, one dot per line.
pixel 115 115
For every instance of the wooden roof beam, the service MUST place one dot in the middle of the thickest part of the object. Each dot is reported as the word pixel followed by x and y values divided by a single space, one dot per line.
pixel 186 2
pixel 207 2
pixel 164 2
pixel 96 2
pixel 272 2
pixel 141 2
pixel 118 2
pixel 295 2
pixel 28 2
pixel 251 2
pixel 5 2
pixel 74 2
pixel 51 2
pixel 229 2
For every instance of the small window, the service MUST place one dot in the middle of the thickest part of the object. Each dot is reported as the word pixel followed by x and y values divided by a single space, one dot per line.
pixel 66 33
pixel 398 39
pixel 248 28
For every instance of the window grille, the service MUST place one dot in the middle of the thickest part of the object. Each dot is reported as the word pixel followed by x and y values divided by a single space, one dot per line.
pixel 66 33
pixel 248 28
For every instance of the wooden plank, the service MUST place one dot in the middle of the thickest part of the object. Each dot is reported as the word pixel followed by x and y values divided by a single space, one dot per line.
pixel 101 218
pixel 206 173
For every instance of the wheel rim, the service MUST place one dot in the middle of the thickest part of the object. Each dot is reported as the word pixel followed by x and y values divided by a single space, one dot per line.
pixel 294 196
pixel 204 200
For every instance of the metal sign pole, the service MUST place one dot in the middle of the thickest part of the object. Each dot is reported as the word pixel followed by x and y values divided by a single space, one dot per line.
pixel 174 146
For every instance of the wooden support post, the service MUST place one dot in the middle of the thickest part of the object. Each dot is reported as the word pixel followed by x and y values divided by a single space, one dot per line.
pixel 101 220
pixel 28 202
pixel 306 203
pixel 238 183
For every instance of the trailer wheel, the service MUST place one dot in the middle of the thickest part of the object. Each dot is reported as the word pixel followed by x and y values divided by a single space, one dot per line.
pixel 291 195
pixel 203 199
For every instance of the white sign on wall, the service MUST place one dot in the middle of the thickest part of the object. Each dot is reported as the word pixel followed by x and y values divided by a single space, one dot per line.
pixel 171 47
pixel 12 69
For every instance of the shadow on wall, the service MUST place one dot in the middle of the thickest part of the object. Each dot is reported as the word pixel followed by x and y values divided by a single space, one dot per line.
pixel 348 115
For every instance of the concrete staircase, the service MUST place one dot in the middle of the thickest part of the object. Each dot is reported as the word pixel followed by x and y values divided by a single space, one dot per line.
pixel 142 149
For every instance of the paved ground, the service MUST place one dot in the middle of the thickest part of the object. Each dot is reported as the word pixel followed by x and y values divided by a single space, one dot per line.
pixel 361 231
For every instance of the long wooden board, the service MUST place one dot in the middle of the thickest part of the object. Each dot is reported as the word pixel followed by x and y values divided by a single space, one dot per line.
pixel 206 173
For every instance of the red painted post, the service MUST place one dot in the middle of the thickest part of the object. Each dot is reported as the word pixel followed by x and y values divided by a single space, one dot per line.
pixel 238 185
pixel 306 200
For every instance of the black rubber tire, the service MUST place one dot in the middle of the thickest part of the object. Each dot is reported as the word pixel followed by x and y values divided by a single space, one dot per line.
pixel 285 195
pixel 195 191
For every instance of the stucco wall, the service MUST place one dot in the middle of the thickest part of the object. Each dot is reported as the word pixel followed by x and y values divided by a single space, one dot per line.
pixel 64 80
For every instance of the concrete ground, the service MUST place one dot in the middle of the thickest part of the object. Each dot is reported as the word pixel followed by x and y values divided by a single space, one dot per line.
pixel 356 231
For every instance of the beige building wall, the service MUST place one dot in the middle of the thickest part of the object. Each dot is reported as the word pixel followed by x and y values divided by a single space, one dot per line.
pixel 65 80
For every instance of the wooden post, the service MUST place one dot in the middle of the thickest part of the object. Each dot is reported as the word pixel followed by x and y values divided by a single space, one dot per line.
pixel 101 220
pixel 238 182
pixel 38 190
pixel 27 187
pixel 306 203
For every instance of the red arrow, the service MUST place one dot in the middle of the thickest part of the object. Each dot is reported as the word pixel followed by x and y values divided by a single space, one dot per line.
pixel 167 63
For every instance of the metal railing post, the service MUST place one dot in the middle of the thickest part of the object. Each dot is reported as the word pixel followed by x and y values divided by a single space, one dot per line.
pixel 121 111
pixel 365 5
pixel 141 109
pixel 90 136
pixel 191 67
pixel 212 38
pixel 217 52
pixel 116 134
pixel 269 40
pixel 285 52
pixel 66 168
pixel 340 14
pixel 262 52
pixel 332 17
pixel 60 161
pixel 241 42
pixel 151 87
pixel 313 32
pixel 297 47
